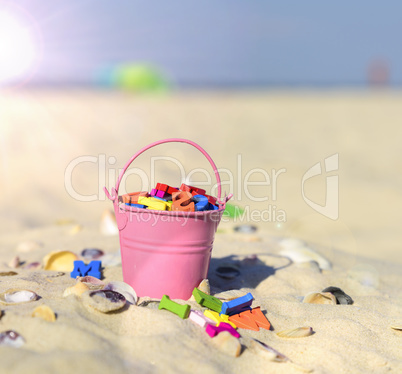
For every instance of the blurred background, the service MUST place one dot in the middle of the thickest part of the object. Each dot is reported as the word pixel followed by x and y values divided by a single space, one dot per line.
pixel 275 84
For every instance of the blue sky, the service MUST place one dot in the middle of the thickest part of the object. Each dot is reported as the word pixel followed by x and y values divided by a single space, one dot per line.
pixel 220 42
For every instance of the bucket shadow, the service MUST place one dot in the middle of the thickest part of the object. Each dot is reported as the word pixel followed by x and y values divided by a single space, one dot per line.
pixel 250 274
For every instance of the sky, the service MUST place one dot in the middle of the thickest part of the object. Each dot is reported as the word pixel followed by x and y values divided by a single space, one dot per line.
pixel 210 42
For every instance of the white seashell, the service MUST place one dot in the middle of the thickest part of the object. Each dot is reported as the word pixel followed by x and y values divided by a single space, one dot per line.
pixel 60 261
pixel 44 312
pixel 108 224
pixel 12 339
pixel 14 263
pixel 396 326
pixel 111 259
pixel 320 298
pixel 267 351
pixel 230 295
pixel 125 289
pixel 103 300
pixel 28 246
pixel 90 254
pixel 227 343
pixel 16 296
pixel 299 332
pixel 298 252
pixel 77 289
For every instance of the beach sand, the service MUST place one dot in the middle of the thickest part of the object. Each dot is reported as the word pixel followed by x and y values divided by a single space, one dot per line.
pixel 43 131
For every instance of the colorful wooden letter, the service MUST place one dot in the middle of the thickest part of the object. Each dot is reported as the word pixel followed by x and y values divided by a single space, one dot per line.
pixel 182 201
pixel 132 197
pixel 152 203
pixel 181 310
pixel 238 305
pixel 215 330
pixel 82 270
pixel 251 320
pixel 200 319
pixel 218 318
pixel 199 191
pixel 207 300
pixel 201 202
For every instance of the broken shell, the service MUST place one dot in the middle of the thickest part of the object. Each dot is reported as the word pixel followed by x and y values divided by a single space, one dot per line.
pixel 32 265
pixel 108 224
pixel 15 296
pixel 227 343
pixel 28 246
pixel 92 283
pixel 104 300
pixel 268 351
pixel 341 297
pixel 75 229
pixel 44 312
pixel 77 289
pixel 298 252
pixel 227 272
pixel 92 253
pixel 125 289
pixel 11 339
pixel 299 332
pixel 14 262
pixel 245 229
pixel 320 298
pixel 230 295
pixel 60 261
pixel 396 326
pixel 204 286
pixel 7 273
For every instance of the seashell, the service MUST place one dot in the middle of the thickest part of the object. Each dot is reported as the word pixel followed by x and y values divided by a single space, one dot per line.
pixel 125 289
pixel 298 251
pixel 15 296
pixel 204 286
pixel 14 262
pixel 91 282
pixel 251 260
pixel 77 289
pixel 227 272
pixel 60 261
pixel 108 224
pixel 32 265
pixel 104 300
pixel 111 259
pixel 299 332
pixel 396 326
pixel 245 229
pixel 11 338
pixel 320 298
pixel 92 253
pixel 7 273
pixel 230 295
pixel 146 300
pixel 267 351
pixel 341 297
pixel 75 230
pixel 28 246
pixel 227 343
pixel 313 265
pixel 44 312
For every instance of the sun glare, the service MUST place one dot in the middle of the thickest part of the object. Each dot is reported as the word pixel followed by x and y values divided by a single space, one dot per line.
pixel 17 48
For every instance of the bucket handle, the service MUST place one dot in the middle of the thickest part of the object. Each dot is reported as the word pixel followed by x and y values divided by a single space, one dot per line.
pixel 115 190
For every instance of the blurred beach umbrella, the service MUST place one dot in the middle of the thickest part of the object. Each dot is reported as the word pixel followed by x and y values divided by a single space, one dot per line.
pixel 133 77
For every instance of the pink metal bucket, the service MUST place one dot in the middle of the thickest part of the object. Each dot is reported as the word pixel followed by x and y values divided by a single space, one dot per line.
pixel 165 252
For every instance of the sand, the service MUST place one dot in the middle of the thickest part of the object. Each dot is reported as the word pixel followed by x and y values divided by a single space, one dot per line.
pixel 43 131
